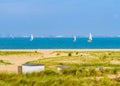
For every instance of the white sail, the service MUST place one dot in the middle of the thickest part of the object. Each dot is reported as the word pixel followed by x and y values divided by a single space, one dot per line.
pixel 90 36
pixel 74 39
pixel 31 37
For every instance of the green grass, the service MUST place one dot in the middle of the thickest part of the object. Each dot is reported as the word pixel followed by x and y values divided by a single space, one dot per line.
pixel 18 52
pixel 82 58
pixel 52 78
pixel 4 62
pixel 84 70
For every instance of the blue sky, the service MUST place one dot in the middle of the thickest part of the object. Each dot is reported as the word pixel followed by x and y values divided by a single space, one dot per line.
pixel 60 17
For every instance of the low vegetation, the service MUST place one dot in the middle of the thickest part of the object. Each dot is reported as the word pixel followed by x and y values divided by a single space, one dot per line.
pixel 52 78
pixel 2 62
pixel 107 59
pixel 18 52
pixel 93 68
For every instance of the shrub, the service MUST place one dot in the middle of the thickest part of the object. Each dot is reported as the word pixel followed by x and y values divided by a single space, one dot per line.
pixel 109 53
pixel 58 54
pixel 105 70
pixel 115 71
pixel 70 54
pixel 78 73
pixel 35 51
pixel 60 63
pixel 94 72
pixel 76 53
pixel 82 73
pixel 68 71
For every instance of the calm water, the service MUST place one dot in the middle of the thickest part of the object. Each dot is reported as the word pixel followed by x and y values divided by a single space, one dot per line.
pixel 59 43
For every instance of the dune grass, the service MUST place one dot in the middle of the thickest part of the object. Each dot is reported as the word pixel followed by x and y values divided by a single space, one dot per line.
pixel 92 68
pixel 84 63
pixel 52 78
pixel 18 52
pixel 81 59
pixel 2 62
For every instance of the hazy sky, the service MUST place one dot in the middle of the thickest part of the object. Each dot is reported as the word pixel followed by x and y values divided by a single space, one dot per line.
pixel 60 17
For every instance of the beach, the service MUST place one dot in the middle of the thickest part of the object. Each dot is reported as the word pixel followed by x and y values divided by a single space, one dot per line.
pixel 19 59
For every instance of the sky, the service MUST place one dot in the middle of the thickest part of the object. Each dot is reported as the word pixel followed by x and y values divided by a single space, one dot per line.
pixel 60 17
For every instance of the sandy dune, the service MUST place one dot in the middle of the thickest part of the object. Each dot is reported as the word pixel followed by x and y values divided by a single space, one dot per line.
pixel 16 60
pixel 20 59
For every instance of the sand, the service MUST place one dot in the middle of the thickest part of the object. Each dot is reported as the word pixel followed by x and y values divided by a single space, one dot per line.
pixel 20 59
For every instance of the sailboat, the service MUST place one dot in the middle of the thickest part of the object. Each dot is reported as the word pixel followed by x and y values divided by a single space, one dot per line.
pixel 74 40
pixel 31 37
pixel 90 37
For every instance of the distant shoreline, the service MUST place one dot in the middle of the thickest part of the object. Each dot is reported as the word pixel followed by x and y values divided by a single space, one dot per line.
pixel 59 49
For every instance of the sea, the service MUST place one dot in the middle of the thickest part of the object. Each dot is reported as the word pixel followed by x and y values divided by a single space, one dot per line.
pixel 60 43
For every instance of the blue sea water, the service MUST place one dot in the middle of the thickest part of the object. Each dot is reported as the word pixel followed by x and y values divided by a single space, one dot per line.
pixel 59 43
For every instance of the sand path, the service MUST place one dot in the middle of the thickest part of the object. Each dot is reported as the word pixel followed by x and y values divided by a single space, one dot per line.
pixel 20 59
pixel 16 60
